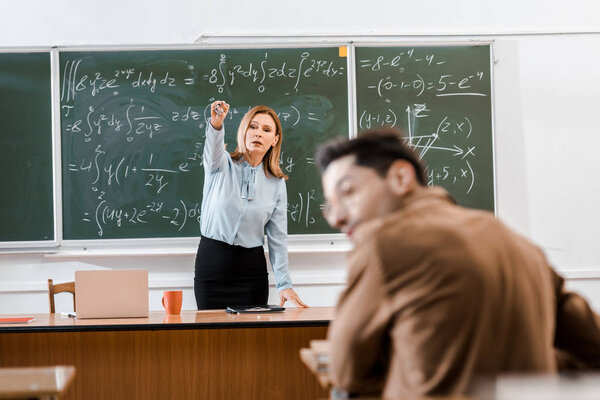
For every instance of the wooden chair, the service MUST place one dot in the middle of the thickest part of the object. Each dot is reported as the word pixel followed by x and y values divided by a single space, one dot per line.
pixel 59 288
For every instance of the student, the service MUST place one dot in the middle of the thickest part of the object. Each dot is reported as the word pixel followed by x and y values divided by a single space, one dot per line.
pixel 438 295
pixel 244 193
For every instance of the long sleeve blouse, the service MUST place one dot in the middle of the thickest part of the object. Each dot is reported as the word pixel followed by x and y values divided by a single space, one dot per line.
pixel 240 202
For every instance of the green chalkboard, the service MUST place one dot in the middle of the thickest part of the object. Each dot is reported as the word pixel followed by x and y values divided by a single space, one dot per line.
pixel 26 202
pixel 441 97
pixel 133 126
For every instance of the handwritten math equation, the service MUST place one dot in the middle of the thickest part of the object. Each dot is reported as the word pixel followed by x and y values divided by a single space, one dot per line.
pixel 396 77
pixel 106 177
pixel 119 132
pixel 449 141
pixel 225 74
pixel 136 120
pixel 431 96
pixel 261 72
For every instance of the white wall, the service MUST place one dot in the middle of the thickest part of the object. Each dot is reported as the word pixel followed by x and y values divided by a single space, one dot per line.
pixel 546 86
pixel 71 22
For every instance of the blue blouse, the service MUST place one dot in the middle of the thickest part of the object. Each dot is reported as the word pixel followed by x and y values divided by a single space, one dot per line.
pixel 240 201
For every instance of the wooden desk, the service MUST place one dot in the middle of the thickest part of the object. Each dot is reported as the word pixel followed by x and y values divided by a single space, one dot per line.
pixel 197 355
pixel 41 382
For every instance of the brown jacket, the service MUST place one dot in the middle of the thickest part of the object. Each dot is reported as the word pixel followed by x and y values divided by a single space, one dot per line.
pixel 439 295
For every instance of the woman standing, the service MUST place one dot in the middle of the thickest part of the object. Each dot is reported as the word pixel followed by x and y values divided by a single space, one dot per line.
pixel 244 193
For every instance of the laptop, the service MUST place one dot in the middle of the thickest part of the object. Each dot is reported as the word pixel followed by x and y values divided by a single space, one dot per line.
pixel 111 293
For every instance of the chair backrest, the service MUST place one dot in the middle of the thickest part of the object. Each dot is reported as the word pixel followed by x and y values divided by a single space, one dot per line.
pixel 59 288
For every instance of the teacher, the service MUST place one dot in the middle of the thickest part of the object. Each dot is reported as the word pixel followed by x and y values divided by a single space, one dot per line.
pixel 244 193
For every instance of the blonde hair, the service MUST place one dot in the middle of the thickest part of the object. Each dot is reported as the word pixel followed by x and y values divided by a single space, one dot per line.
pixel 271 157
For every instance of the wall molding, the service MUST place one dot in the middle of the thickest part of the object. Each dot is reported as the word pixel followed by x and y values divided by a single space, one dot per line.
pixel 579 273
pixel 337 278
pixel 186 247
pixel 330 278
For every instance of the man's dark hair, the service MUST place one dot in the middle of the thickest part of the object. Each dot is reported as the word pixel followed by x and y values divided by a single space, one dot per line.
pixel 376 148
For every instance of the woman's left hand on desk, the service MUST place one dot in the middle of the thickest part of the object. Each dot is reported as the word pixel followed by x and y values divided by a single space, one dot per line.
pixel 290 295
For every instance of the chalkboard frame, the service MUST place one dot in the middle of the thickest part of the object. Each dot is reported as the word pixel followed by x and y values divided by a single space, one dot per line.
pixel 330 239
pixel 327 242
pixel 469 43
pixel 19 246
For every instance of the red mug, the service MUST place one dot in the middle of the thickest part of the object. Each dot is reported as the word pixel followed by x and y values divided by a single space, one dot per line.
pixel 171 301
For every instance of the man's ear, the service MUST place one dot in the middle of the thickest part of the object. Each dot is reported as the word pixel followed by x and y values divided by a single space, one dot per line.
pixel 401 177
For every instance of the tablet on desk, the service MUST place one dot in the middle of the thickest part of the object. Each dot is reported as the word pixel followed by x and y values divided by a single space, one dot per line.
pixel 254 309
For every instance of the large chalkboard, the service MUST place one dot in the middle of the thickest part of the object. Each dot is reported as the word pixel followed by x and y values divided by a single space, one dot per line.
pixel 133 126
pixel 26 197
pixel 441 97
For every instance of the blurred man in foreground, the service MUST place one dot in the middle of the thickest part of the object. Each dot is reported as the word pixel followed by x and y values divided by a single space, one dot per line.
pixel 438 295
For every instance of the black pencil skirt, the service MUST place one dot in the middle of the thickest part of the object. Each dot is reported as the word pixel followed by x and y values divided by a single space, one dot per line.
pixel 229 275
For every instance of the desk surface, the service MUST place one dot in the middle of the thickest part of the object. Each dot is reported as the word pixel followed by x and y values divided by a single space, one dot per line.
pixel 158 320
pixel 24 383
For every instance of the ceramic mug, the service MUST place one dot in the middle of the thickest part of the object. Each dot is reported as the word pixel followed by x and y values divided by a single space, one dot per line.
pixel 171 301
